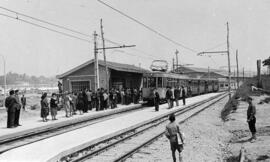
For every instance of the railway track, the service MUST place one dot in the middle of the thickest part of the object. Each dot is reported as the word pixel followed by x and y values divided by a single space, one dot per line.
pixel 27 137
pixel 123 145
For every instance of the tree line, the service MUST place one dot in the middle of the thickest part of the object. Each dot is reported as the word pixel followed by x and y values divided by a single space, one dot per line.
pixel 15 78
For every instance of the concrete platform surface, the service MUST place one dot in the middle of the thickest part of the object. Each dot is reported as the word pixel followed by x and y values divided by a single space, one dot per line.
pixel 46 149
pixel 36 123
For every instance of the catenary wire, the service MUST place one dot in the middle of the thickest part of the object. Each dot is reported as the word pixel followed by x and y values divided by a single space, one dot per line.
pixel 216 46
pixel 149 28
pixel 63 33
pixel 46 22
pixel 62 27
pixel 65 28
pixel 53 30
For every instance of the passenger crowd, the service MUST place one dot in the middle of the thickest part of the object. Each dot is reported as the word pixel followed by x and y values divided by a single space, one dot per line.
pixel 72 102
pixel 172 94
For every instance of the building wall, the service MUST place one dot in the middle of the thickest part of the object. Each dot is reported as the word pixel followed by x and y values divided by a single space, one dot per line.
pixel 130 80
pixel 85 74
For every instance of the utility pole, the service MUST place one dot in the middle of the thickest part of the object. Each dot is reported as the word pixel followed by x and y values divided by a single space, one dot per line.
pixel 229 61
pixel 237 69
pixel 104 54
pixel 5 79
pixel 176 53
pixel 96 62
pixel 243 74
pixel 173 65
pixel 208 74
pixel 259 82
pixel 228 54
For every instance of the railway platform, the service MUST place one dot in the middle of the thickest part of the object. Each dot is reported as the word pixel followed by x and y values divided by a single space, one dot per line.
pixel 36 124
pixel 53 148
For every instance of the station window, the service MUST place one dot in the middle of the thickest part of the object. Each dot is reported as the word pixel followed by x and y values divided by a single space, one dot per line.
pixel 77 86
pixel 144 82
pixel 159 82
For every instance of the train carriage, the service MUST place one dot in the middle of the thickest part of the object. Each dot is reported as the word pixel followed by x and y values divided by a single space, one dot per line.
pixel 161 80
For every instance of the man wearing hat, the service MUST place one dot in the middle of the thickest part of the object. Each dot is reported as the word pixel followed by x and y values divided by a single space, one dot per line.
pixel 18 108
pixel 10 104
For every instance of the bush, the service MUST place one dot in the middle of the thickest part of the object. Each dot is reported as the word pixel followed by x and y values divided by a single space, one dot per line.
pixel 230 106
pixel 241 93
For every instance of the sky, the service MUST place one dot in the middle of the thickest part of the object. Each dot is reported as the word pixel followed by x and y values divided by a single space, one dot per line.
pixel 199 25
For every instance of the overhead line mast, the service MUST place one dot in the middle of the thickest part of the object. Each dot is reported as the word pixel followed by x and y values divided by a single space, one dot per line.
pixel 228 55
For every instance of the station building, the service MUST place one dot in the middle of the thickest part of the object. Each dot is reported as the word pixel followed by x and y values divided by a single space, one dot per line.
pixel 119 76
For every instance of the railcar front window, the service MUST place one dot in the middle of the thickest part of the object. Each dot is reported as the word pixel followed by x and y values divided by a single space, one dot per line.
pixel 145 82
pixel 151 82
pixel 159 82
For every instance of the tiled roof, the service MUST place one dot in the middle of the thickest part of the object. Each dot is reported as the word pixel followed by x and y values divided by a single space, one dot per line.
pixel 111 65
pixel 189 70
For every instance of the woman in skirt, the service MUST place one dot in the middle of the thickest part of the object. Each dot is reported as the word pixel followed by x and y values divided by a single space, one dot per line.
pixel 53 105
pixel 44 107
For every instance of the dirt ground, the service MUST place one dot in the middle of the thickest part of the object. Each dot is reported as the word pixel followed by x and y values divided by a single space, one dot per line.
pixel 209 139
pixel 205 140
pixel 237 125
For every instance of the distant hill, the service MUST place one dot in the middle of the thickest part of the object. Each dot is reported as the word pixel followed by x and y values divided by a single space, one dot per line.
pixel 15 78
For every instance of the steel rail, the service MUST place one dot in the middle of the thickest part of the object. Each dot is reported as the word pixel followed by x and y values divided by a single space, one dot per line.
pixel 156 122
pixel 131 152
pixel 63 127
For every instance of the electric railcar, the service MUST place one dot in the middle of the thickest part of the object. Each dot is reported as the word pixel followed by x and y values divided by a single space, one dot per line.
pixel 161 80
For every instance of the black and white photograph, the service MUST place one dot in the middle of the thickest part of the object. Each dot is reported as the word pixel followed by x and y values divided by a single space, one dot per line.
pixel 134 81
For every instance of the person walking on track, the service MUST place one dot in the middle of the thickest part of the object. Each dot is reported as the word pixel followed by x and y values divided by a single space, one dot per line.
pixel 251 119
pixel 10 104
pixel 175 137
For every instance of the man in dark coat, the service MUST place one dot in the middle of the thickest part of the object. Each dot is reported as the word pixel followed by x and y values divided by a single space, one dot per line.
pixel 156 99
pixel 169 97
pixel 10 104
pixel 101 99
pixel 135 96
pixel 85 101
pixel 60 87
pixel 177 95
pixel 184 95
pixel 114 93
pixel 18 108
